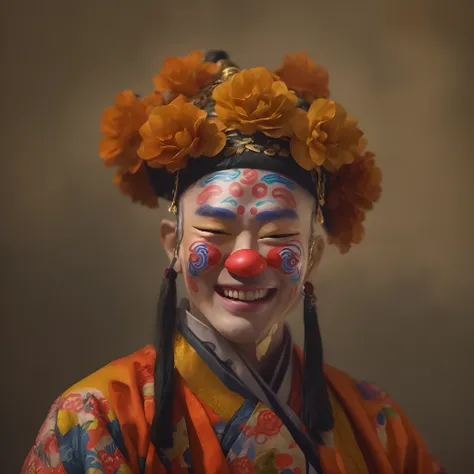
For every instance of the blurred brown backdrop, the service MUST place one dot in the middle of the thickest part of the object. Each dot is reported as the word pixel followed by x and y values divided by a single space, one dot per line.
pixel 81 265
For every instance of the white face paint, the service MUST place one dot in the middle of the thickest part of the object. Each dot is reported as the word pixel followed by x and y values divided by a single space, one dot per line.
pixel 244 249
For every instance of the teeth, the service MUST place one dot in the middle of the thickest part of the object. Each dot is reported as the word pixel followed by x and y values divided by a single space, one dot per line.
pixel 246 295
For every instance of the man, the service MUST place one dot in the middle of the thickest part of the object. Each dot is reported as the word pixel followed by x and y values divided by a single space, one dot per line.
pixel 255 165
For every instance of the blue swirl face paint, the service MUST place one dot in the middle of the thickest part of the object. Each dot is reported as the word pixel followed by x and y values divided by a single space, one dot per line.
pixel 273 178
pixel 230 200
pixel 264 201
pixel 287 259
pixel 226 176
pixel 202 256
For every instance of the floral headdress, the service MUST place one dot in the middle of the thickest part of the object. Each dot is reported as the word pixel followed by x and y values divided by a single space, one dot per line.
pixel 211 110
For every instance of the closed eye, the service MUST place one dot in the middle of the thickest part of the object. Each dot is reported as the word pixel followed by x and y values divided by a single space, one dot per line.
pixel 280 236
pixel 212 231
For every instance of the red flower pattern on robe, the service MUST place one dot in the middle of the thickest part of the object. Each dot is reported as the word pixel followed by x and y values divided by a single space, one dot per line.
pixel 73 402
pixel 268 423
pixel 241 465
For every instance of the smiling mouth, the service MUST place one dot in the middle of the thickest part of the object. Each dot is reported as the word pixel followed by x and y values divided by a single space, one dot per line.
pixel 235 293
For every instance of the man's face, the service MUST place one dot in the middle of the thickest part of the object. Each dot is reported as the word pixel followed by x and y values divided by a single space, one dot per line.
pixel 245 249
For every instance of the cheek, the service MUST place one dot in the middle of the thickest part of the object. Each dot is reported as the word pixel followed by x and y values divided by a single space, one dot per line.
pixel 287 259
pixel 202 256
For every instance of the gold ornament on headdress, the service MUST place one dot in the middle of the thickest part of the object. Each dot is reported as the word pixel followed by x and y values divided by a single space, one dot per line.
pixel 173 207
pixel 321 189
pixel 228 69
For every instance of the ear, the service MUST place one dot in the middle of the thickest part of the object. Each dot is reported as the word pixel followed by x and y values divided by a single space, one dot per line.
pixel 317 251
pixel 168 240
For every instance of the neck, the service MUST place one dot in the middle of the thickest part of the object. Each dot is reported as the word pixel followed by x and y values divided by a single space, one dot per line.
pixel 266 365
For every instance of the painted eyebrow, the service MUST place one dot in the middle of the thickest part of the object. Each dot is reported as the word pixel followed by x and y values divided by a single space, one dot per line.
pixel 218 212
pixel 276 214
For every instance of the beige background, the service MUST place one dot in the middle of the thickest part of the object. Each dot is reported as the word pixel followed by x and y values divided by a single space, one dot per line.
pixel 81 265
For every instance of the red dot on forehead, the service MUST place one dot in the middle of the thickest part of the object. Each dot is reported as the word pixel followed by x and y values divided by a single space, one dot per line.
pixel 253 211
pixel 236 190
pixel 249 177
pixel 259 190
pixel 240 210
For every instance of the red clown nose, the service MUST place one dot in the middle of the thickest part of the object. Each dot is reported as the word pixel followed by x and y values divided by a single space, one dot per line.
pixel 246 263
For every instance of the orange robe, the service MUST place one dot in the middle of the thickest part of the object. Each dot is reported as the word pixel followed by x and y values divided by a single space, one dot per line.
pixel 101 425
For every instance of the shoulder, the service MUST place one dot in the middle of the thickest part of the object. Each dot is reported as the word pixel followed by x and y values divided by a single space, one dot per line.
pixel 81 431
pixel 131 369
pixel 93 399
pixel 360 395
pixel 364 391
pixel 387 422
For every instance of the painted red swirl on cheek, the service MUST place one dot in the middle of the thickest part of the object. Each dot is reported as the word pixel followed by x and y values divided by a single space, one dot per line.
pixel 285 195
pixel 207 193
pixel 249 177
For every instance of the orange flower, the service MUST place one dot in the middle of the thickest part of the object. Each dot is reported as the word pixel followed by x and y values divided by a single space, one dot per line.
pixel 360 183
pixel 346 227
pixel 304 76
pixel 352 190
pixel 137 186
pixel 253 101
pixel 120 126
pixel 185 75
pixel 177 131
pixel 150 101
pixel 325 136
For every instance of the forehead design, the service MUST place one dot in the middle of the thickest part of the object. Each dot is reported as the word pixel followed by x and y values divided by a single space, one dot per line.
pixel 225 194
pixel 237 180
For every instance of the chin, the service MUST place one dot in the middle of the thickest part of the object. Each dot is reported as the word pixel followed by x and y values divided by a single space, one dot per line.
pixel 235 328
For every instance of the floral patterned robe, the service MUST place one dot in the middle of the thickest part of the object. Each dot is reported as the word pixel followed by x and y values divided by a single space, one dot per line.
pixel 101 425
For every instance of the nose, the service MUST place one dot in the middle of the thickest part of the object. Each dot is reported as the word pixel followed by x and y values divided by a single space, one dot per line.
pixel 246 263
